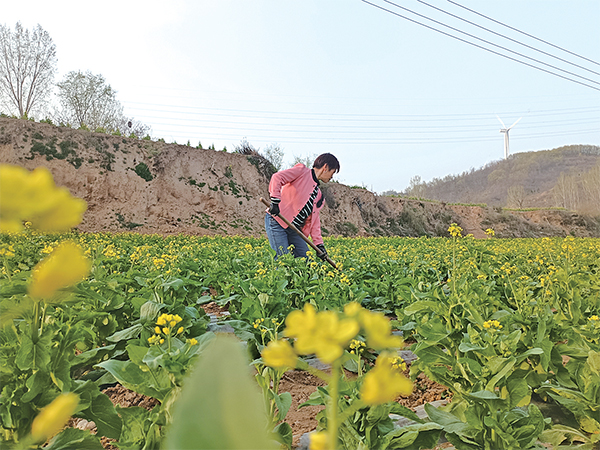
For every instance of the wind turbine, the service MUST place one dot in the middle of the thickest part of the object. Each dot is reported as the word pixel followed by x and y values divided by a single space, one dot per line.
pixel 505 131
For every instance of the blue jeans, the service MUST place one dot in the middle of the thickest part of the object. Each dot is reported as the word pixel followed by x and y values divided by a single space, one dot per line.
pixel 281 238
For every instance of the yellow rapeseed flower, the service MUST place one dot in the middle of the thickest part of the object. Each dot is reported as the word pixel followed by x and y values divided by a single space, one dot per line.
pixel 356 346
pixel 352 309
pixel 492 324
pixel 324 334
pixel 279 354
pixel 65 266
pixel 54 416
pixel 378 330
pixel 384 383
pixel 318 441
pixel 455 230
pixel 34 197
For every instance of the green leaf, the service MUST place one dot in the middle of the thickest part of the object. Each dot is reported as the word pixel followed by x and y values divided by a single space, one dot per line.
pixel 33 356
pixel 220 406
pixel 11 309
pixel 283 402
pixel 136 352
pixel 317 398
pixel 417 436
pixel 531 351
pixel 420 306
pixel 594 362
pixel 95 405
pixel 496 378
pixel 72 438
pixel 377 413
pixel 126 334
pixel 401 410
pixel 284 434
pixel 204 299
pixel 155 385
pixel 492 401
pixel 431 354
pixel 519 392
pixel 433 331
pixel 36 383
pixel 558 433
pixel 242 330
pixel 135 424
pixel 484 395
pixel 449 421
pixel 174 284
pixel 95 354
pixel 468 347
pixel 589 425
pixel 150 310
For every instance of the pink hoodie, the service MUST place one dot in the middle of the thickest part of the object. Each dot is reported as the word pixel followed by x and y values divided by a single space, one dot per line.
pixel 294 186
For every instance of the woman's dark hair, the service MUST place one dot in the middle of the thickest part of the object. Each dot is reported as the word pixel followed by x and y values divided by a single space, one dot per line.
pixel 327 158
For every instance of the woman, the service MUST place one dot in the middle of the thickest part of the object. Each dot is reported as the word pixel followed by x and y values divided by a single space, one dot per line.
pixel 295 194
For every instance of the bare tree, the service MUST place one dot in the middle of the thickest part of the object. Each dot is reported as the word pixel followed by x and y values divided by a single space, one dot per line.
pixel 87 101
pixel 307 160
pixel 417 187
pixel 274 153
pixel 591 188
pixel 566 191
pixel 128 126
pixel 27 68
pixel 515 197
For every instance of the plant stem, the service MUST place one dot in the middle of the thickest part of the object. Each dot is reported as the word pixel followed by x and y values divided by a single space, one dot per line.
pixel 43 318
pixel 332 414
pixel 35 325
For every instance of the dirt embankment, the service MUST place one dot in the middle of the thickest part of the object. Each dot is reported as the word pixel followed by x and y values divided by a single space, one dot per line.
pixel 154 187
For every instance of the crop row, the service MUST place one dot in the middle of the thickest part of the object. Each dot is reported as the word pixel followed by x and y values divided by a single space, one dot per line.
pixel 511 327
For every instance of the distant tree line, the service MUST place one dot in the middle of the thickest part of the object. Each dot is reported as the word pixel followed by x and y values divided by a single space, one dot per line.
pixel 83 100
pixel 579 191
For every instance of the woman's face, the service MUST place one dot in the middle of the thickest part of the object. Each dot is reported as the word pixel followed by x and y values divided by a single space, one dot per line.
pixel 327 174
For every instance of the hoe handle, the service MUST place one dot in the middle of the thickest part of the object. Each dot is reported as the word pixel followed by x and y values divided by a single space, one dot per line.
pixel 301 234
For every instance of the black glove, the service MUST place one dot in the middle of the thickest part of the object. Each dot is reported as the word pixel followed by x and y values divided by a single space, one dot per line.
pixel 274 208
pixel 323 254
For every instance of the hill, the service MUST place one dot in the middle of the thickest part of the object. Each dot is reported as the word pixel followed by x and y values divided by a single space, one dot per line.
pixel 566 177
pixel 155 187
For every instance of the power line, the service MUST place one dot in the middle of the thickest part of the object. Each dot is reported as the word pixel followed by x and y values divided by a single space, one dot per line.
pixel 495 45
pixel 227 112
pixel 479 46
pixel 208 123
pixel 507 37
pixel 295 139
pixel 522 32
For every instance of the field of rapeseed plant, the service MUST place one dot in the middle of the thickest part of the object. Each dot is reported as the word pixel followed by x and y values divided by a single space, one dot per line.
pixel 510 326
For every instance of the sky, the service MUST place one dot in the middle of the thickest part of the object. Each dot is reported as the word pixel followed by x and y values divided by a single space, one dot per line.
pixel 372 82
